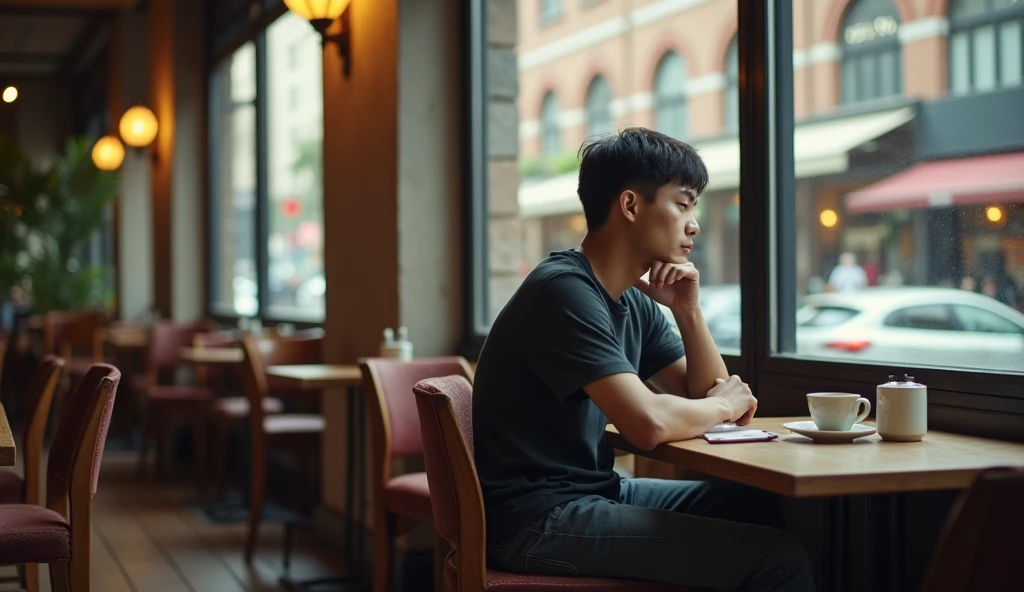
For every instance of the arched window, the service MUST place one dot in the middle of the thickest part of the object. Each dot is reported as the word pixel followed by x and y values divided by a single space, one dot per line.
pixel 670 96
pixel 550 10
pixel 872 57
pixel 550 133
pixel 732 88
pixel 985 44
pixel 599 107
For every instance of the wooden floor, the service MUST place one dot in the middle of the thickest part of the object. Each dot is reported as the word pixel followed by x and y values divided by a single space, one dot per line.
pixel 146 538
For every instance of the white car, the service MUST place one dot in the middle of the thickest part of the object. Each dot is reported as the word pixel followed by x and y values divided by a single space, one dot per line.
pixel 912 326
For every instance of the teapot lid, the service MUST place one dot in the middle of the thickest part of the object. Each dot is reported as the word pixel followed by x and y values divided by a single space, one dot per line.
pixel 904 380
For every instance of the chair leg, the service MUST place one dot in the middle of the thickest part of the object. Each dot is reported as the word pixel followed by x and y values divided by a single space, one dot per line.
pixel 147 436
pixel 30 572
pixel 199 438
pixel 218 454
pixel 441 548
pixel 257 494
pixel 60 576
pixel 383 550
pixel 286 558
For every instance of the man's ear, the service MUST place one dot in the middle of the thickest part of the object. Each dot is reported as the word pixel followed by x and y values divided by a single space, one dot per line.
pixel 629 202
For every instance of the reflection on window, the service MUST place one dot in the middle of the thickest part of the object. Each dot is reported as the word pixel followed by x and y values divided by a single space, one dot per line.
pixel 295 271
pixel 732 88
pixel 605 82
pixel 670 96
pixel 909 220
pixel 599 107
pixel 233 285
pixel 872 65
pixel 550 10
pixel 985 44
pixel 551 132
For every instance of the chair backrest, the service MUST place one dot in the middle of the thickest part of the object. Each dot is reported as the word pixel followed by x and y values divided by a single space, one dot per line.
pixel 980 546
pixel 264 352
pixel 77 447
pixel 75 455
pixel 389 382
pixel 37 413
pixel 445 408
pixel 3 355
pixel 66 332
pixel 166 339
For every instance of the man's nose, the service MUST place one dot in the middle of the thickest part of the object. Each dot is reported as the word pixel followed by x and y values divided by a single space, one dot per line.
pixel 692 228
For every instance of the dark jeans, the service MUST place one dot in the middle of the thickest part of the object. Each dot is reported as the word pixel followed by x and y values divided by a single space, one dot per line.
pixel 707 534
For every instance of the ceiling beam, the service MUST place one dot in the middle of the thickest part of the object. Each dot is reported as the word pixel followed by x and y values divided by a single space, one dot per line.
pixel 81 5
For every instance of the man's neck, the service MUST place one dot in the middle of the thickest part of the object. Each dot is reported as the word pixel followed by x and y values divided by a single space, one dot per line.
pixel 612 263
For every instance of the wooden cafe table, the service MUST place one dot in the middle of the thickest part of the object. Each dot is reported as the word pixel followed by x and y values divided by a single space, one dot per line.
pixel 7 447
pixel 796 467
pixel 350 378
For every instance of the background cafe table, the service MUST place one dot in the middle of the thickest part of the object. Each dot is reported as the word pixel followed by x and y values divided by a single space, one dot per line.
pixel 7 448
pixel 336 376
pixel 212 355
pixel 796 467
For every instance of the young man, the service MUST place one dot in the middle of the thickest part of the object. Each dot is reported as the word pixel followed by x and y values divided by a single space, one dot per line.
pixel 571 351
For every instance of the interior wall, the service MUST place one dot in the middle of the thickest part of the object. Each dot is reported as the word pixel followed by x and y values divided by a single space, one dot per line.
pixel 429 183
pixel 135 212
pixel 392 194
pixel 43 117
pixel 360 210
pixel 188 176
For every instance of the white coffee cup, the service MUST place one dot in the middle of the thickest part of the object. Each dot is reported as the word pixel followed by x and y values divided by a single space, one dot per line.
pixel 837 412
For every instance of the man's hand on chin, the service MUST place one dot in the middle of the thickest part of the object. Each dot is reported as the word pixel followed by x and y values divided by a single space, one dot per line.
pixel 675 285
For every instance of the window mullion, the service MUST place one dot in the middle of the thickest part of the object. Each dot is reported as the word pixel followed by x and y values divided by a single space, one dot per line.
pixel 262 188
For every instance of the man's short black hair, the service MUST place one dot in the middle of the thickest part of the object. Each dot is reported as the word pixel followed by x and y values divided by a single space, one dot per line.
pixel 635 158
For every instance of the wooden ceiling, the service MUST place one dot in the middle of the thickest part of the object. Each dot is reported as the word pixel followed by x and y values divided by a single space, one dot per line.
pixel 41 38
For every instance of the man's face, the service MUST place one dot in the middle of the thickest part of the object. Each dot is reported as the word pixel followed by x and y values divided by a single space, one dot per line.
pixel 665 228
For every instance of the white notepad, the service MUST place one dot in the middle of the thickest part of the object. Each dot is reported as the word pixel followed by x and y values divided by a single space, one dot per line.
pixel 741 435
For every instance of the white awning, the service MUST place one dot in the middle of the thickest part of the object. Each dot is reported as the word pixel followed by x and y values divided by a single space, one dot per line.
pixel 820 148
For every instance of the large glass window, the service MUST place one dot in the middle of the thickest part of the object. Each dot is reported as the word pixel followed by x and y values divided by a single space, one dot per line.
pixel 732 89
pixel 599 107
pixel 908 248
pixel 670 116
pixel 266 128
pixel 295 272
pixel 526 198
pixel 985 44
pixel 551 129
pixel 872 66
pixel 233 285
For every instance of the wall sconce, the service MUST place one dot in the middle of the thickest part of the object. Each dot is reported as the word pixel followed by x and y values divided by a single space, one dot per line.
pixel 108 153
pixel 320 14
pixel 138 127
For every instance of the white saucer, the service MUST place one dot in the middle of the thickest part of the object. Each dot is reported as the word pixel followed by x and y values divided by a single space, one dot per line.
pixel 807 428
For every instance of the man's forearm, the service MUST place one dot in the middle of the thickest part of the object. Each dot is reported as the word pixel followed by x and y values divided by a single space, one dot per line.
pixel 703 362
pixel 682 419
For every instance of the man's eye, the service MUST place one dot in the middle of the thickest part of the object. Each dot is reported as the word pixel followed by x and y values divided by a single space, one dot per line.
pixel 682 205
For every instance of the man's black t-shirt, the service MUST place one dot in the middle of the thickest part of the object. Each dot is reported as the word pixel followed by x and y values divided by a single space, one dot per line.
pixel 539 439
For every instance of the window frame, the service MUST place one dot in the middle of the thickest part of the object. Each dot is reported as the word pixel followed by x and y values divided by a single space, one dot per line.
pixel 969 26
pixel 988 403
pixel 665 102
pixel 874 51
pixel 599 118
pixel 222 47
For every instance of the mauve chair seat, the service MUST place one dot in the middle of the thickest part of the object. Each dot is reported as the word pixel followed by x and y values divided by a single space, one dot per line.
pixel 501 581
pixel 11 487
pixel 238 407
pixel 294 423
pixel 32 534
pixel 409 495
pixel 178 393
